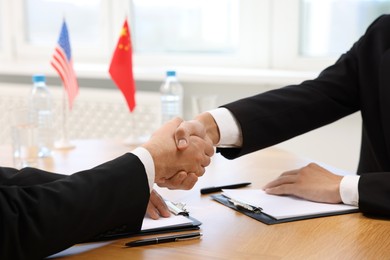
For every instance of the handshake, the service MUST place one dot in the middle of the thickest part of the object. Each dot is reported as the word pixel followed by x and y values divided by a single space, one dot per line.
pixel 181 150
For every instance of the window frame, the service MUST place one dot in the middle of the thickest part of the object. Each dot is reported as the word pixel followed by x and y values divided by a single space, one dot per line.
pixel 286 28
pixel 5 50
pixel 28 53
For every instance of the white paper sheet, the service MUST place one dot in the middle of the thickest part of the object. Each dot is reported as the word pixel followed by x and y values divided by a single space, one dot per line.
pixel 281 207
pixel 78 249
pixel 164 222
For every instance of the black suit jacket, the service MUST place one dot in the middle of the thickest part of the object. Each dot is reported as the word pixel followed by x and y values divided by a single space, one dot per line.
pixel 43 213
pixel 358 81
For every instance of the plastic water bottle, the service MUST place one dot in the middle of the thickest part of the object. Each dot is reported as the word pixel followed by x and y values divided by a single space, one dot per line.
pixel 171 97
pixel 41 104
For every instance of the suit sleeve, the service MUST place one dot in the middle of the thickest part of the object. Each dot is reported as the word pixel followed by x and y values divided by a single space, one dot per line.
pixel 278 115
pixel 374 190
pixel 26 176
pixel 43 215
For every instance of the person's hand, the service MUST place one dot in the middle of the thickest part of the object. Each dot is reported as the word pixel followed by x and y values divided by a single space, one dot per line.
pixel 185 180
pixel 169 160
pixel 311 182
pixel 202 126
pixel 157 207
pixel 181 180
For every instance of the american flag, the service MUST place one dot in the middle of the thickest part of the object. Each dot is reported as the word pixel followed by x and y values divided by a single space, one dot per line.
pixel 63 64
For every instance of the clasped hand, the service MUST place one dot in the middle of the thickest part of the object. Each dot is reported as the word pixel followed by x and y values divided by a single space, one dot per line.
pixel 175 168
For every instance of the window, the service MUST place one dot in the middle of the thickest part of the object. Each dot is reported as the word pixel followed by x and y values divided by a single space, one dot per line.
pixel 180 26
pixel 1 27
pixel 83 18
pixel 37 25
pixel 4 40
pixel 201 33
pixel 310 34
pixel 330 27
pixel 245 34
pixel 164 33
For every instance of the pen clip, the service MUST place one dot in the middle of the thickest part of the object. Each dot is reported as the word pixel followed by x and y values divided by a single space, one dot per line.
pixel 245 206
pixel 177 208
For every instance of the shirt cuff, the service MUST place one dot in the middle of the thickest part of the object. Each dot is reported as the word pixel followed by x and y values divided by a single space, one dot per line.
pixel 229 128
pixel 147 160
pixel 349 190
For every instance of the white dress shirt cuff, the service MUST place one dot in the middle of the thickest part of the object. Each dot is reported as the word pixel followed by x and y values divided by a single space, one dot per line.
pixel 229 128
pixel 147 160
pixel 349 190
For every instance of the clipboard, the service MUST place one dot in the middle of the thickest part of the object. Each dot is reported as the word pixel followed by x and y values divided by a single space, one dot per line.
pixel 174 208
pixel 269 220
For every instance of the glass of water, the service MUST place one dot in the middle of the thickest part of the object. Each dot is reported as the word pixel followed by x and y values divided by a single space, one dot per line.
pixel 24 131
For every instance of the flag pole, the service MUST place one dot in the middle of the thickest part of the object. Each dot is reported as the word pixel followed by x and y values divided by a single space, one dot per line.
pixel 63 142
pixel 133 139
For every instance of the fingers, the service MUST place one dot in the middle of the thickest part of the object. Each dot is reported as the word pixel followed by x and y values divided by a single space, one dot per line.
pixel 284 178
pixel 291 172
pixel 175 181
pixel 281 186
pixel 187 129
pixel 284 189
pixel 181 137
pixel 209 148
pixel 199 144
pixel 288 183
pixel 156 206
pixel 284 184
pixel 190 181
pixel 181 180
pixel 204 150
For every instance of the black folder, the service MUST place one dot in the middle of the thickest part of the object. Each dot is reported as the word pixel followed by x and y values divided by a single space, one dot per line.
pixel 116 234
pixel 175 208
pixel 267 219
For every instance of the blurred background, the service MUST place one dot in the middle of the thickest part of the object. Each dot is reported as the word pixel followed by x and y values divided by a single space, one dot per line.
pixel 224 48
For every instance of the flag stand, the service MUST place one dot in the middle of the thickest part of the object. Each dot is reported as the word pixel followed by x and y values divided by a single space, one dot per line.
pixel 64 142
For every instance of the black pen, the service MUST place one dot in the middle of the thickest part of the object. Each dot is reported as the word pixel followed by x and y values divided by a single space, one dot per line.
pixel 219 188
pixel 158 240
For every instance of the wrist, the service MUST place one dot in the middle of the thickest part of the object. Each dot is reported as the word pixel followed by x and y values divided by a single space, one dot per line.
pixel 211 127
pixel 147 160
pixel 154 153
pixel 335 196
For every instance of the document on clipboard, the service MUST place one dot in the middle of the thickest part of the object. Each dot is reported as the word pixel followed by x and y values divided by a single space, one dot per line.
pixel 180 220
pixel 272 209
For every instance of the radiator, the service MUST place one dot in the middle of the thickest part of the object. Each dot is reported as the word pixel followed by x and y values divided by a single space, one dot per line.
pixel 97 113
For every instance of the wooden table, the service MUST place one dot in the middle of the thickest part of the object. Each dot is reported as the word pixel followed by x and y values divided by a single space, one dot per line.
pixel 228 234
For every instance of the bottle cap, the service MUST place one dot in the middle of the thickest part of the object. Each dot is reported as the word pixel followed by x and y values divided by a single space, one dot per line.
pixel 38 78
pixel 171 73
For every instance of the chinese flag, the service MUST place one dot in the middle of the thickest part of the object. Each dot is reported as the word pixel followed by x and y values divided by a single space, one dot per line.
pixel 121 67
